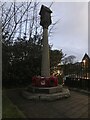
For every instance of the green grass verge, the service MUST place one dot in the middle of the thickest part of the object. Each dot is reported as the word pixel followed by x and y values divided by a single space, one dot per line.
pixel 9 110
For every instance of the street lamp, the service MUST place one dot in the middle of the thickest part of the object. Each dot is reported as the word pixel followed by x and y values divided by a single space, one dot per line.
pixel 84 61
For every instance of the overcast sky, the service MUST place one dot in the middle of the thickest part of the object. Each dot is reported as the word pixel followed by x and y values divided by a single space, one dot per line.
pixel 71 33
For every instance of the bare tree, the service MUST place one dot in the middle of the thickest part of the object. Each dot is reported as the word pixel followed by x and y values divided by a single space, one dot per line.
pixel 21 20
pixel 68 59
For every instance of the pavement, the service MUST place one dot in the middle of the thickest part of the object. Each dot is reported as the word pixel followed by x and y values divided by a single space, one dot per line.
pixel 76 106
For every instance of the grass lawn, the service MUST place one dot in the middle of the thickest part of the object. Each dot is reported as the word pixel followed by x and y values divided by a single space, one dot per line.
pixel 9 110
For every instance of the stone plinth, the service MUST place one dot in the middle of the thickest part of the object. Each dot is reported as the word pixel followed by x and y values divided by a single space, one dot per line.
pixel 47 97
pixel 45 90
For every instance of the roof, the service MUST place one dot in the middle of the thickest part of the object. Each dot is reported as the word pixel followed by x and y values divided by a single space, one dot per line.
pixel 86 57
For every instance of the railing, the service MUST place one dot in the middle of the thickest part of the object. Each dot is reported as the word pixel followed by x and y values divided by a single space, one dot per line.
pixel 80 83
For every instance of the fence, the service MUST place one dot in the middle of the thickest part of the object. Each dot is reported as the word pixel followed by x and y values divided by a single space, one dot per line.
pixel 79 83
pixel 77 76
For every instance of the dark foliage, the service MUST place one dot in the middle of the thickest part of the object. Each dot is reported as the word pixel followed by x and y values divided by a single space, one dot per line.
pixel 21 61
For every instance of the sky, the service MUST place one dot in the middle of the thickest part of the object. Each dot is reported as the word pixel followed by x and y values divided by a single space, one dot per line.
pixel 71 32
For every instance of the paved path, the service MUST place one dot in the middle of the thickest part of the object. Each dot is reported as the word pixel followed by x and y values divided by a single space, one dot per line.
pixel 75 106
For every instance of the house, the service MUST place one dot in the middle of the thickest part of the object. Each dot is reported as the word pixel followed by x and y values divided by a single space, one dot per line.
pixel 86 61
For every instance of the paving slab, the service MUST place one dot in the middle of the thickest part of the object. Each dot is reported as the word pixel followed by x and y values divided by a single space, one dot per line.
pixel 76 106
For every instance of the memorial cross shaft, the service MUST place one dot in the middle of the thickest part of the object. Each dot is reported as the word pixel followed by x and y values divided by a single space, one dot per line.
pixel 45 13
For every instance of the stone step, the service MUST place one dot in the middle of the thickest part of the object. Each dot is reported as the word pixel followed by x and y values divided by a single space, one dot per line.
pixel 48 97
pixel 47 90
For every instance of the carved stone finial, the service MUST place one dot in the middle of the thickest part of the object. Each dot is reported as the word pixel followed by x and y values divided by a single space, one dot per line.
pixel 45 13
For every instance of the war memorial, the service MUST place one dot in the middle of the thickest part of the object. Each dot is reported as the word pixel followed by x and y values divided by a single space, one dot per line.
pixel 45 87
pixel 43 95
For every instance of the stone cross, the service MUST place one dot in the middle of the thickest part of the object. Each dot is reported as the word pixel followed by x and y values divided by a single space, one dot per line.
pixel 45 21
